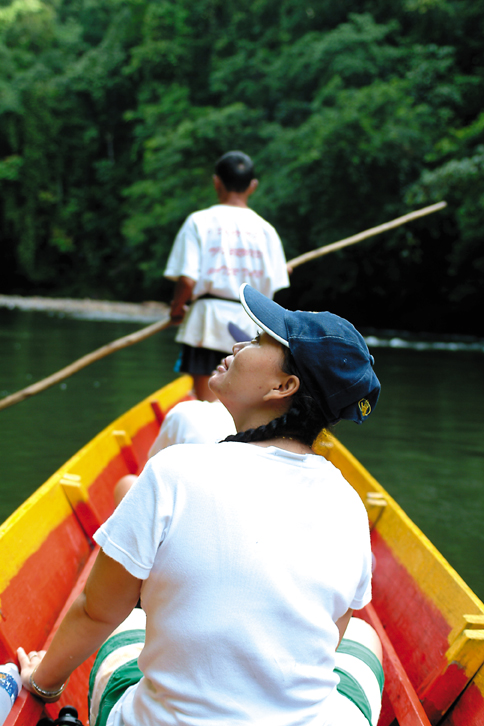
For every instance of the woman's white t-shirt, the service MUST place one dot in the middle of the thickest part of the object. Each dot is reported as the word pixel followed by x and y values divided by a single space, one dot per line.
pixel 249 556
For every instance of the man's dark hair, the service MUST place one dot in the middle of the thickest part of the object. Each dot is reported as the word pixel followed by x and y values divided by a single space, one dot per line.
pixel 236 170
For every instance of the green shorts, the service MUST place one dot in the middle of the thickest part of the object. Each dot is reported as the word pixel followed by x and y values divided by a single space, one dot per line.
pixel 116 669
pixel 361 678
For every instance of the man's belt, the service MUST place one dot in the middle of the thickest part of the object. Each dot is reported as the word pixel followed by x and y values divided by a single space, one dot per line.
pixel 209 296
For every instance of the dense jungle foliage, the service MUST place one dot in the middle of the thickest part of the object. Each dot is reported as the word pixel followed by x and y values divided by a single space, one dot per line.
pixel 112 113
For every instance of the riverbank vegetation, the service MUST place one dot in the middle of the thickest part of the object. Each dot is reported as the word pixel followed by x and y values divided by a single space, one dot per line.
pixel 112 113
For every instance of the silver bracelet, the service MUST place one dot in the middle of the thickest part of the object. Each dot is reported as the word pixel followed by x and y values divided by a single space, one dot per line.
pixel 47 696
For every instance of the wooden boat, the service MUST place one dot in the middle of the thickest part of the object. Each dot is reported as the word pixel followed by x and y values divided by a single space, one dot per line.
pixel 430 623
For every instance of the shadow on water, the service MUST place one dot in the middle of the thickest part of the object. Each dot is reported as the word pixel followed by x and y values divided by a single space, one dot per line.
pixel 424 443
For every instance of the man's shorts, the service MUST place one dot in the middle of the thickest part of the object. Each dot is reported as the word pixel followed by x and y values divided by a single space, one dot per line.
pixel 116 669
pixel 198 361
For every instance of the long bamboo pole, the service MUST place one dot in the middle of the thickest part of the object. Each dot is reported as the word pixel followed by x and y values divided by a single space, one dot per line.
pixel 165 322
pixel 86 360
pixel 307 256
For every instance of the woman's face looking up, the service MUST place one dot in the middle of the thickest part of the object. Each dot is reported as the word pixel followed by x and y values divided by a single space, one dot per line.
pixel 254 369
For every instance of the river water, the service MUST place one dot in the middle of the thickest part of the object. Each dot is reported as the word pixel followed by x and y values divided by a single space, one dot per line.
pixel 424 443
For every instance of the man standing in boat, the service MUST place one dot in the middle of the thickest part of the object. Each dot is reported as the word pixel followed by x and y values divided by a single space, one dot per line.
pixel 216 250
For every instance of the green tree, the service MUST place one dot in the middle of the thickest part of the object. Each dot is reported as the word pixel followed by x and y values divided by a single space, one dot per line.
pixel 113 112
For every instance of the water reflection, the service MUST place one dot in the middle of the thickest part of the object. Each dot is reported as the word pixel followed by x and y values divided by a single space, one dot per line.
pixel 424 443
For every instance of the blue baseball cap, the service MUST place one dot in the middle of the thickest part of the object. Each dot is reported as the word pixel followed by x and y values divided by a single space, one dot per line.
pixel 331 356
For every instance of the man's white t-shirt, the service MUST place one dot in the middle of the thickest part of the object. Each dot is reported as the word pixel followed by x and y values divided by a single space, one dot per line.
pixel 221 247
pixel 248 556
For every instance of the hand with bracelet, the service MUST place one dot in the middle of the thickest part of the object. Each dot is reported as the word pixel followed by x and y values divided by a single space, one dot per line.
pixel 109 595
pixel 28 667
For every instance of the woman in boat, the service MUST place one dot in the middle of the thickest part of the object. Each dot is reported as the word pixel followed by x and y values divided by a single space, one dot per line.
pixel 249 556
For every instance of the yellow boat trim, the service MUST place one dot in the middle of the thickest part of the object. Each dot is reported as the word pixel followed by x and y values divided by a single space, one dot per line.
pixel 432 573
pixel 24 532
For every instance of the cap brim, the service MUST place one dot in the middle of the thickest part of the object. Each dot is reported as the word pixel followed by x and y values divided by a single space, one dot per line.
pixel 265 313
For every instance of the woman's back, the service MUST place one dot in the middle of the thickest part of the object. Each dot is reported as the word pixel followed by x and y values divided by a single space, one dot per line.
pixel 258 559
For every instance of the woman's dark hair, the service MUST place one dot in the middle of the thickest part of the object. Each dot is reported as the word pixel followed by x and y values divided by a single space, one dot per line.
pixel 302 421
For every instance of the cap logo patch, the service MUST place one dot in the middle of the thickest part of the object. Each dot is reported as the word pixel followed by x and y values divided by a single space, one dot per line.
pixel 364 407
